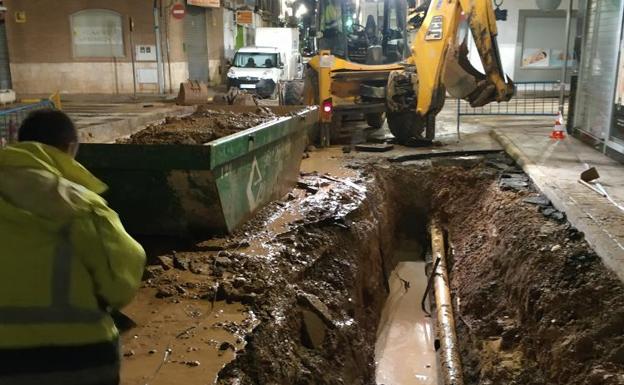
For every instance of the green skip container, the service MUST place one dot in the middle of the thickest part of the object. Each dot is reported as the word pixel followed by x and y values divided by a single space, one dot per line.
pixel 198 190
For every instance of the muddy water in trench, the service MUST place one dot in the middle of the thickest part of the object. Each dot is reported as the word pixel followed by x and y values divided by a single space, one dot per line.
pixel 404 351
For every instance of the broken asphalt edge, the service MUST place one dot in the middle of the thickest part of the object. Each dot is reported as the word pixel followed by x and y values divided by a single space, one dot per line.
pixel 607 248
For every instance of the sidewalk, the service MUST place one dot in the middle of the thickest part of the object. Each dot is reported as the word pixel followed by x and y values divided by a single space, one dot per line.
pixel 555 166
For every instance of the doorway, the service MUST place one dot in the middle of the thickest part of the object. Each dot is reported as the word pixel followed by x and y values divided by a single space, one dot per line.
pixel 196 43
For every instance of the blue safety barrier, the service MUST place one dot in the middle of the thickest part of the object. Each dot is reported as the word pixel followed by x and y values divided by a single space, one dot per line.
pixel 11 119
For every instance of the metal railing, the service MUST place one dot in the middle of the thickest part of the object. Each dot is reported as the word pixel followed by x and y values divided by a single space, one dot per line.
pixel 530 99
pixel 540 98
pixel 11 119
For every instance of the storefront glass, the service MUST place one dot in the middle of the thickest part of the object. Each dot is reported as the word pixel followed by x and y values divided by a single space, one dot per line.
pixel 617 133
pixel 598 70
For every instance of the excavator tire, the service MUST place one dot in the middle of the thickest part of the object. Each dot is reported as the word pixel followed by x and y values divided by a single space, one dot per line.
pixel 375 120
pixel 311 97
pixel 405 125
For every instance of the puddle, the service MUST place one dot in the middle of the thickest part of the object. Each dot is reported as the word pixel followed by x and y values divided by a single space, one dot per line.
pixel 404 351
pixel 326 161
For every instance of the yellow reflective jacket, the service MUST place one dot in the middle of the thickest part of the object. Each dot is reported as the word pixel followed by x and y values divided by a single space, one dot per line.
pixel 331 18
pixel 63 252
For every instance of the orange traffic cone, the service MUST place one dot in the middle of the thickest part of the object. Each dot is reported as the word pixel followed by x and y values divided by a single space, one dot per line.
pixel 557 132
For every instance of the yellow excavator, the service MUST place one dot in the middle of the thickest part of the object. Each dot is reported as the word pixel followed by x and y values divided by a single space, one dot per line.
pixel 412 92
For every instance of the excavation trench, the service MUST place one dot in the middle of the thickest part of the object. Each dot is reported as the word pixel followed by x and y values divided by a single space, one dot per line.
pixel 325 287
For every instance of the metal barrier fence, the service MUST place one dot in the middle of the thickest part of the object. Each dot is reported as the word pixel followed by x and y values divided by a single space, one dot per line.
pixel 12 118
pixel 530 99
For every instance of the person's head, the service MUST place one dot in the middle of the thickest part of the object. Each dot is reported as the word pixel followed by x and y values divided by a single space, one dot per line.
pixel 251 61
pixel 51 127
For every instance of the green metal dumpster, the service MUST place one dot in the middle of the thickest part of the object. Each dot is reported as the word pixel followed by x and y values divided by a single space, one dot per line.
pixel 197 190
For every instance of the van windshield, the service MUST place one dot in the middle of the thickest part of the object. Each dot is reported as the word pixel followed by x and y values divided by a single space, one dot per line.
pixel 255 60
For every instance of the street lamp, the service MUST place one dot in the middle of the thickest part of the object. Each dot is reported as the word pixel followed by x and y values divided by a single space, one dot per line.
pixel 302 10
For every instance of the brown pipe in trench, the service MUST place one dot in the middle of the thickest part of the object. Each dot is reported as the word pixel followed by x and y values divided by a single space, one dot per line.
pixel 450 362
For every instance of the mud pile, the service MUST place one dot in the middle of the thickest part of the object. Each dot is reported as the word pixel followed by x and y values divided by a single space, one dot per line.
pixel 201 127
pixel 534 304
pixel 313 281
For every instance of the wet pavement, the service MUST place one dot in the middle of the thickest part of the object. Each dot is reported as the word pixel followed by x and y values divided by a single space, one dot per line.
pixel 180 341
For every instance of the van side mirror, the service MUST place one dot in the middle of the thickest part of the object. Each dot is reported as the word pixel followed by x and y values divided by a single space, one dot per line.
pixel 228 62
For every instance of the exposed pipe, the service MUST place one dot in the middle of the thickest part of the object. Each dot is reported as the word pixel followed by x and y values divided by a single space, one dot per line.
pixel 450 362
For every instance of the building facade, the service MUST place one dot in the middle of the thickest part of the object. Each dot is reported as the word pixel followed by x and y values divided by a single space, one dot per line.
pixel 120 46
pixel 91 46
pixel 599 112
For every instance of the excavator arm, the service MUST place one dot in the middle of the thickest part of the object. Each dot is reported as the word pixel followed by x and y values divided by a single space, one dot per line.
pixel 495 86
pixel 442 63
pixel 439 63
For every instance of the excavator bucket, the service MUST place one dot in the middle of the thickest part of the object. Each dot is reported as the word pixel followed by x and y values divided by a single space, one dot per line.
pixel 464 81
pixel 192 92
pixel 460 77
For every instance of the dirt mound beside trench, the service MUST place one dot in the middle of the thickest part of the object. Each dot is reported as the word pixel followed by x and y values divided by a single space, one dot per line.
pixel 535 305
pixel 322 293
pixel 309 268
pixel 203 126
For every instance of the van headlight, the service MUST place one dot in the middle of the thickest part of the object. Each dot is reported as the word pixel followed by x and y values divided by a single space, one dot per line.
pixel 230 73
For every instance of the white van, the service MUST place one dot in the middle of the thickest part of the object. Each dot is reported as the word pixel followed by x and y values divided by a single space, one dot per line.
pixel 275 58
pixel 257 68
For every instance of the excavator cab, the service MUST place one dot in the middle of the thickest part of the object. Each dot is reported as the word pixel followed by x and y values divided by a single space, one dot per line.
pixel 371 43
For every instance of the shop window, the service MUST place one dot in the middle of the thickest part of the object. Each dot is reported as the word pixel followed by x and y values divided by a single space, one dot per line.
pixel 543 42
pixel 97 33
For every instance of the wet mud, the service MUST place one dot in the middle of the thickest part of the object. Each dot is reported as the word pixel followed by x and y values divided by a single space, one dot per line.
pixel 302 286
pixel 203 126
pixel 536 305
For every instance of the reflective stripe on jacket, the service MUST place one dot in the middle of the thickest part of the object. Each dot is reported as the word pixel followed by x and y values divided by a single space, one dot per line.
pixel 63 252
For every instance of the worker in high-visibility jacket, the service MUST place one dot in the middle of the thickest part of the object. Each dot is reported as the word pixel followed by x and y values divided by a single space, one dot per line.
pixel 66 262
pixel 332 38
pixel 331 23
